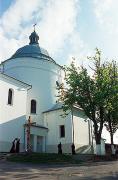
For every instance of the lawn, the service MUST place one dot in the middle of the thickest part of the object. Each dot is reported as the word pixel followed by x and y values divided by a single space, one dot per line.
pixel 41 158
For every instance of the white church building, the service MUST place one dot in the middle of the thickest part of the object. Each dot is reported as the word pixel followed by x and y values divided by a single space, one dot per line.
pixel 28 88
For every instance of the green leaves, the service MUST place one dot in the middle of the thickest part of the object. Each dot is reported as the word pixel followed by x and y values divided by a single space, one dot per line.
pixel 96 95
pixel 112 97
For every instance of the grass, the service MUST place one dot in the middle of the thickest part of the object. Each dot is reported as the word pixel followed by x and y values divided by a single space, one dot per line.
pixel 42 158
pixel 45 158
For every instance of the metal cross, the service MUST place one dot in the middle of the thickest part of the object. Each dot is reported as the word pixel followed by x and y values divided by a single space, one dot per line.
pixel 29 124
pixel 34 26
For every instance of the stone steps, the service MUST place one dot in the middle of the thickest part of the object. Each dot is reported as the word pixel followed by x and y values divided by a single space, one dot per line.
pixel 3 156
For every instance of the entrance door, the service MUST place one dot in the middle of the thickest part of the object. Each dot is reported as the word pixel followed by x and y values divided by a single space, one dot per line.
pixel 39 143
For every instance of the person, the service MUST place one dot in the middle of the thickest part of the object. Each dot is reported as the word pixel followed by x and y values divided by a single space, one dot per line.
pixel 59 148
pixel 73 148
pixel 12 150
pixel 17 145
pixel 15 142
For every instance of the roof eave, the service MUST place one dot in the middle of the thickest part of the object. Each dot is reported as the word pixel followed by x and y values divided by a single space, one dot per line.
pixel 25 85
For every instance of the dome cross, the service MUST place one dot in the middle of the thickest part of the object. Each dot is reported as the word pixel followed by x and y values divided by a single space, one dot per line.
pixel 34 26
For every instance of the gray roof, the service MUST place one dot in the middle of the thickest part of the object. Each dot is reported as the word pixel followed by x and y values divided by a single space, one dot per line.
pixel 14 79
pixel 31 50
pixel 37 126
pixel 57 106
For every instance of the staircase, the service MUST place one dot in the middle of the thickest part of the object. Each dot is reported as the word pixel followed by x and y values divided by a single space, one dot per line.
pixel 86 149
pixel 3 156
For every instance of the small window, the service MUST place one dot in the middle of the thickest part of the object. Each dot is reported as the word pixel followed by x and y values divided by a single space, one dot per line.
pixel 33 106
pixel 10 96
pixel 62 131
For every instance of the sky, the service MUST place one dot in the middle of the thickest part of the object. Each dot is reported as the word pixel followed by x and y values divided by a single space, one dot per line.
pixel 66 28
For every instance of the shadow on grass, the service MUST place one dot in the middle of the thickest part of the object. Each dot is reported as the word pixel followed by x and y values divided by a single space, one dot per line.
pixel 58 159
pixel 40 158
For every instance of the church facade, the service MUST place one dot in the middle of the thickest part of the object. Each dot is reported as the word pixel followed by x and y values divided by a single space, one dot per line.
pixel 28 88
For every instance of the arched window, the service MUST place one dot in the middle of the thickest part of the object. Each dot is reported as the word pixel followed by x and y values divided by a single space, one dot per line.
pixel 10 96
pixel 33 106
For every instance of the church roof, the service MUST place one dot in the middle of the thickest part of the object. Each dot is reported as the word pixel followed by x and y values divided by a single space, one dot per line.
pixel 31 50
pixel 36 125
pixel 57 106
pixel 16 81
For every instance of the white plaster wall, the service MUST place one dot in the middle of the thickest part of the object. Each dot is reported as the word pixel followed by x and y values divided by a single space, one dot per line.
pixel 52 121
pixel 81 129
pixel 12 117
pixel 106 136
pixel 42 75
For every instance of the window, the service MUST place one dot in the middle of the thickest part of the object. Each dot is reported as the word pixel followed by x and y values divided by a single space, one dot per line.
pixel 33 106
pixel 62 131
pixel 10 96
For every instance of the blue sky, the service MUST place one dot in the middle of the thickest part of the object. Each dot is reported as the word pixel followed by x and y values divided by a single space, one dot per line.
pixel 67 28
pixel 4 5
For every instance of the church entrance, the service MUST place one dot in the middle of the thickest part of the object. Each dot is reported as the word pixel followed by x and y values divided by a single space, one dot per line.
pixel 37 140
pixel 39 144
pixel 36 143
pixel 31 142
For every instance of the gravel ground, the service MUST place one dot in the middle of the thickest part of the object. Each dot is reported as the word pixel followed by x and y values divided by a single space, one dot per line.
pixel 88 171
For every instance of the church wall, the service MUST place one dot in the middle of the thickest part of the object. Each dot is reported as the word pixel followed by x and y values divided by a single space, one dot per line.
pixel 42 75
pixel 81 132
pixel 53 120
pixel 12 117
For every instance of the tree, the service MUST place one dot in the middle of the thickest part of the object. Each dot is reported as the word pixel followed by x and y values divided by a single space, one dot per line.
pixel 88 93
pixel 112 100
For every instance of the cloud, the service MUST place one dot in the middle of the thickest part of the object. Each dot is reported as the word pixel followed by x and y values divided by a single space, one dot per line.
pixel 17 15
pixel 106 14
pixel 14 22
pixel 58 23
pixel 6 47
pixel 56 26
pixel 79 49
pixel 107 21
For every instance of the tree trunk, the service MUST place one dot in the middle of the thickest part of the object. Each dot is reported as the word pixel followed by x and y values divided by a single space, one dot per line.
pixel 111 136
pixel 98 143
pixel 98 131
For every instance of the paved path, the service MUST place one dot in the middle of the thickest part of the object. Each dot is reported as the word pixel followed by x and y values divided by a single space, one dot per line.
pixel 16 171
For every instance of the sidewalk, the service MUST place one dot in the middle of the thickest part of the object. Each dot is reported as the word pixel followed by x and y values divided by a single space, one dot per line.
pixel 97 170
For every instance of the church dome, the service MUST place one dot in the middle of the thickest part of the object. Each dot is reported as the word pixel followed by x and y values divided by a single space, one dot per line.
pixel 31 50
